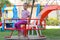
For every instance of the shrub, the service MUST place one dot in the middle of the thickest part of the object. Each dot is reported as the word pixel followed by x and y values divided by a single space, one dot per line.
pixel 53 21
pixel 0 19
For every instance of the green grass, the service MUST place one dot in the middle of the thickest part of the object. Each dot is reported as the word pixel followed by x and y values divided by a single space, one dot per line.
pixel 51 34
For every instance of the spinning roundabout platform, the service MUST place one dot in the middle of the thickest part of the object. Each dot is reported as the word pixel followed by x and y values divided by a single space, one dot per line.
pixel 26 38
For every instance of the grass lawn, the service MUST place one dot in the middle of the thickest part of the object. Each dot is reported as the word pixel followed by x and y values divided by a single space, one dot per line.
pixel 51 34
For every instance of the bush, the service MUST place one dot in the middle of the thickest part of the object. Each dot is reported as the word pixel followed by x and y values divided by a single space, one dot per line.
pixel 0 19
pixel 53 21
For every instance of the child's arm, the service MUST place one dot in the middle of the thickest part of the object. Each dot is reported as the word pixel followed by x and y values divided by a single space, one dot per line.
pixel 28 17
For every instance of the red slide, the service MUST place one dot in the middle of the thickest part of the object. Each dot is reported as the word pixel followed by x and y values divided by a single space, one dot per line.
pixel 47 10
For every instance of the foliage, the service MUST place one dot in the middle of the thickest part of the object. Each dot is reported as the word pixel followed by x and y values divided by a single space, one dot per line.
pixel 3 2
pixel 41 7
pixel 53 21
pixel 0 19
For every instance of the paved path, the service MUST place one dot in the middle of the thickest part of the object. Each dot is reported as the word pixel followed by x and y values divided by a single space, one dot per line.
pixel 25 38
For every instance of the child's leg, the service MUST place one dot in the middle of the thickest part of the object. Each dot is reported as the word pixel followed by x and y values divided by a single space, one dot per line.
pixel 19 33
pixel 18 25
pixel 25 33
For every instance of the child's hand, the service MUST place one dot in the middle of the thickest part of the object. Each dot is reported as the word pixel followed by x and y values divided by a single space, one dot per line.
pixel 28 21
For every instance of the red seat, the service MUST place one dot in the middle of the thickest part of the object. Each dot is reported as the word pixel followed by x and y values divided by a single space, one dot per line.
pixel 10 28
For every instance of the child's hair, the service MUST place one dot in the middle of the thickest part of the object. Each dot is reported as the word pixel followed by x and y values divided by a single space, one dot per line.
pixel 26 4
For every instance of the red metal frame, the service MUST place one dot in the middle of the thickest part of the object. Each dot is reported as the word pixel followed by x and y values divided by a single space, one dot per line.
pixel 25 30
pixel 29 24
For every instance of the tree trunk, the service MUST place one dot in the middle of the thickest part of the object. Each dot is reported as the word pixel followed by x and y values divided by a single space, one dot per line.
pixel 0 13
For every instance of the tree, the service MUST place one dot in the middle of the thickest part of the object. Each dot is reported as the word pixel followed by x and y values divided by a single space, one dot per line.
pixel 2 3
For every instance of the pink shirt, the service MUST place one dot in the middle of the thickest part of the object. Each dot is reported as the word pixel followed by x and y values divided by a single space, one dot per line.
pixel 25 14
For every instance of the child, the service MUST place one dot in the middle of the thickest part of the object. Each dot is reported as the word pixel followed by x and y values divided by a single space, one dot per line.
pixel 25 14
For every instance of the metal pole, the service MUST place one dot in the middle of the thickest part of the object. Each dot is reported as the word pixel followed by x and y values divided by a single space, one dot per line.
pixel 32 8
pixel 31 12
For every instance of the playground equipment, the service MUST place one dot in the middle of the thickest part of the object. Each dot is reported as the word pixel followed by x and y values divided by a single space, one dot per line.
pixel 41 19
pixel 37 13
pixel 14 11
pixel 26 29
pixel 47 10
pixel 3 17
pixel 0 23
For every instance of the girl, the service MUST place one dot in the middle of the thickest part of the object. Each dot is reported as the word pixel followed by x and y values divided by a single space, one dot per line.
pixel 25 14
